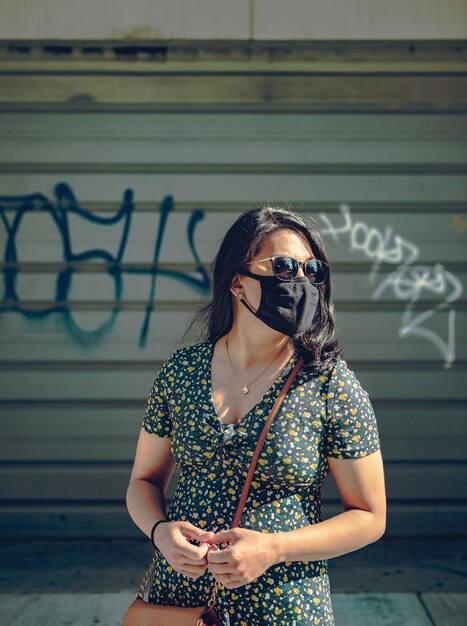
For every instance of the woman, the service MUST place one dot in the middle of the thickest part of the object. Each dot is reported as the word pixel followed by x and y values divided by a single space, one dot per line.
pixel 271 304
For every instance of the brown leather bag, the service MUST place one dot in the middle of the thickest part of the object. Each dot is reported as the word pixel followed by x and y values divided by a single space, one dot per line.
pixel 143 613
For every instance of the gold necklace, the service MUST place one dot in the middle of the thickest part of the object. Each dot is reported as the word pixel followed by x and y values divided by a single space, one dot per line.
pixel 245 387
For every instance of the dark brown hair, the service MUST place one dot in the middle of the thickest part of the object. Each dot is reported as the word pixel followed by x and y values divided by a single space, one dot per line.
pixel 318 345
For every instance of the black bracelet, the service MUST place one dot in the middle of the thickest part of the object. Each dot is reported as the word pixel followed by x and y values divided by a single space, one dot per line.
pixel 154 528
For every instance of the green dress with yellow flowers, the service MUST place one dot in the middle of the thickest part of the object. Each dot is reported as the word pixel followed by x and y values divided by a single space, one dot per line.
pixel 327 414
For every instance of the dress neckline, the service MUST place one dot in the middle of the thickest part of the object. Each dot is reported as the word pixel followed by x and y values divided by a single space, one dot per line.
pixel 285 370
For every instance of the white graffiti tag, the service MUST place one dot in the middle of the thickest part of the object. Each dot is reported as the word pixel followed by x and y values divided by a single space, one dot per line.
pixel 408 282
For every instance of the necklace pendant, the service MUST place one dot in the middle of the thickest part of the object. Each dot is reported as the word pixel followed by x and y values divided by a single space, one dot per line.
pixel 245 389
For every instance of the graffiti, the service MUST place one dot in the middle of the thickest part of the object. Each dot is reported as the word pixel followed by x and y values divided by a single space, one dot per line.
pixel 66 204
pixel 408 282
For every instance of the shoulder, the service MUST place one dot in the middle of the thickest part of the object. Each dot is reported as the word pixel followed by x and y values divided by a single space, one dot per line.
pixel 344 385
pixel 186 355
pixel 340 371
pixel 318 384
pixel 178 363
pixel 335 380
pixel 326 375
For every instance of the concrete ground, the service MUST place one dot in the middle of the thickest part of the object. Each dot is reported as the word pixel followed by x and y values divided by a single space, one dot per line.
pixel 396 583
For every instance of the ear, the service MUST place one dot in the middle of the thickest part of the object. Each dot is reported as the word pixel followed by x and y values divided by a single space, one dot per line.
pixel 236 285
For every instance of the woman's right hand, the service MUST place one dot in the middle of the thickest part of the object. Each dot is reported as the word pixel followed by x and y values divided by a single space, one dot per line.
pixel 173 540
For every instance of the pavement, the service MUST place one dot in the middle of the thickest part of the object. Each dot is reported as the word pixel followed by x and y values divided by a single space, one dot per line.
pixel 389 582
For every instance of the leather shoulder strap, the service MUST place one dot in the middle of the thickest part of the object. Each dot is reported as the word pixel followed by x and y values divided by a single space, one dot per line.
pixel 262 437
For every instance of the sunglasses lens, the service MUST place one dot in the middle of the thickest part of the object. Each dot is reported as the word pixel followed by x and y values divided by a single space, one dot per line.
pixel 315 270
pixel 285 267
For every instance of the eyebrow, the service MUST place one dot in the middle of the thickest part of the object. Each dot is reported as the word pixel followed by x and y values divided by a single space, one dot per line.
pixel 291 255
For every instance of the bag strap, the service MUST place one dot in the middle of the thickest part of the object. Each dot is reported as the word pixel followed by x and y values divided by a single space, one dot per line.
pixel 246 486
pixel 262 437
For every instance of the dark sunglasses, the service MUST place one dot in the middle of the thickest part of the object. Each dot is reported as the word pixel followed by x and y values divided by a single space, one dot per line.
pixel 286 268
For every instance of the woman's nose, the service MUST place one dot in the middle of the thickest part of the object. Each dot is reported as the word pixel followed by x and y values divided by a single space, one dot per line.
pixel 300 273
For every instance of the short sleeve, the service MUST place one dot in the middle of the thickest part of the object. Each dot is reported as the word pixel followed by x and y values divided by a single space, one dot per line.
pixel 157 418
pixel 352 429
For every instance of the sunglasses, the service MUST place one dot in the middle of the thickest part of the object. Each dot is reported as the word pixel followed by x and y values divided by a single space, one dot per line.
pixel 286 268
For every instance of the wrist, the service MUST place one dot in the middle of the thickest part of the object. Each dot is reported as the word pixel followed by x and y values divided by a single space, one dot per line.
pixel 154 531
pixel 278 547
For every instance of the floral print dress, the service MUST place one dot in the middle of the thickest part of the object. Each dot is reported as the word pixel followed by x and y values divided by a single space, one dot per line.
pixel 327 414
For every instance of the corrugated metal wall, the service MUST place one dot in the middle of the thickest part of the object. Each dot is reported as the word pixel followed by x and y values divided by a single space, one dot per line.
pixel 110 221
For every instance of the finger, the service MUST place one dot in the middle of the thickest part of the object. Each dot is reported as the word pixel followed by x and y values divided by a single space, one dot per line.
pixel 200 539
pixel 219 556
pixel 206 538
pixel 193 552
pixel 220 568
pixel 190 560
pixel 193 570
pixel 196 533
pixel 196 552
pixel 225 580
pixel 223 535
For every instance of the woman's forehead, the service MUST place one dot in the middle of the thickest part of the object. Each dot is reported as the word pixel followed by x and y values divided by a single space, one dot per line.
pixel 286 241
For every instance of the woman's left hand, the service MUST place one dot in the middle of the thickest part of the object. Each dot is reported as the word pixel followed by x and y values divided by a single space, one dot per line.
pixel 249 555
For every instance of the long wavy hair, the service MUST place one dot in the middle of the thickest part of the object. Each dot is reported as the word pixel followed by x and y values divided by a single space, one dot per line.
pixel 318 345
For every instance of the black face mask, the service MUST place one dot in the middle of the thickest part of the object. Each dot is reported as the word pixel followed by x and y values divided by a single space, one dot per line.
pixel 286 306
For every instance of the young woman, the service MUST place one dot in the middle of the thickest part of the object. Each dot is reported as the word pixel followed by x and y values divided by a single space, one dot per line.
pixel 271 304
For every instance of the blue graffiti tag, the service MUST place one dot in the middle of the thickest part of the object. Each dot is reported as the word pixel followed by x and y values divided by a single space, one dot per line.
pixel 66 204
